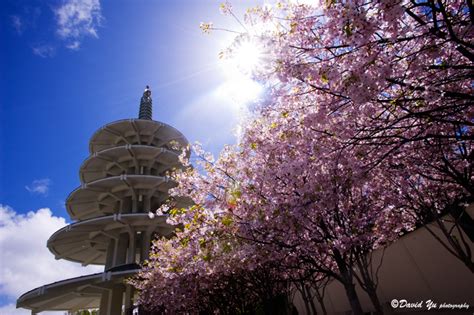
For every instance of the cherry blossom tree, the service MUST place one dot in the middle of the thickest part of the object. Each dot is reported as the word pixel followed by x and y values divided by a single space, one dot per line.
pixel 205 269
pixel 366 133
pixel 390 80
pixel 310 215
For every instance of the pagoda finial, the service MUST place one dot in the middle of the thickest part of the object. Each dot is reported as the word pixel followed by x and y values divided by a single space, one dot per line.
pixel 145 105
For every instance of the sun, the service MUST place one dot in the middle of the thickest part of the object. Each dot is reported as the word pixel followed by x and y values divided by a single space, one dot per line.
pixel 247 57
pixel 238 67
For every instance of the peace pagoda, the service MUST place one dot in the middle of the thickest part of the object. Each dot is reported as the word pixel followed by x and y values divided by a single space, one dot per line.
pixel 123 180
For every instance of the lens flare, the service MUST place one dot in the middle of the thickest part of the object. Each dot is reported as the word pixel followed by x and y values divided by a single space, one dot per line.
pixel 238 66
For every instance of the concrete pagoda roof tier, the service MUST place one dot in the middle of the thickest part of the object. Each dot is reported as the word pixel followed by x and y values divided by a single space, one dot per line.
pixel 127 159
pixel 73 294
pixel 86 241
pixel 109 195
pixel 137 131
pixel 123 180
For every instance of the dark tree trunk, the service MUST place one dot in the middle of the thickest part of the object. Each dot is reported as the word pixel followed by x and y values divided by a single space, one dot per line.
pixel 353 298
pixel 305 297
pixel 375 300
pixel 311 300
pixel 277 306
pixel 347 282
pixel 320 298
pixel 366 280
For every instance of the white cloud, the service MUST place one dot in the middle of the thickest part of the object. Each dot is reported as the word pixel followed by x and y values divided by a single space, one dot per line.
pixel 44 51
pixel 76 19
pixel 39 186
pixel 10 309
pixel 74 45
pixel 17 24
pixel 26 263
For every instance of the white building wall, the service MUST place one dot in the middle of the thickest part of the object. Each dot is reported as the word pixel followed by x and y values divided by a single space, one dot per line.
pixel 415 268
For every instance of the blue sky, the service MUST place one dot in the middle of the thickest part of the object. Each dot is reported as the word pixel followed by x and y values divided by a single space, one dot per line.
pixel 53 97
pixel 68 67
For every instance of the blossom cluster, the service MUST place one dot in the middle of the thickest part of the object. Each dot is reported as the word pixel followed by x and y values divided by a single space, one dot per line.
pixel 366 135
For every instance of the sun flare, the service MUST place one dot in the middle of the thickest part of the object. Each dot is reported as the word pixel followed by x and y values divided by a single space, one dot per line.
pixel 238 67
pixel 247 57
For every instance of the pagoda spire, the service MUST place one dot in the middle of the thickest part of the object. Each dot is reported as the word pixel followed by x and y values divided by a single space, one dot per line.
pixel 146 105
